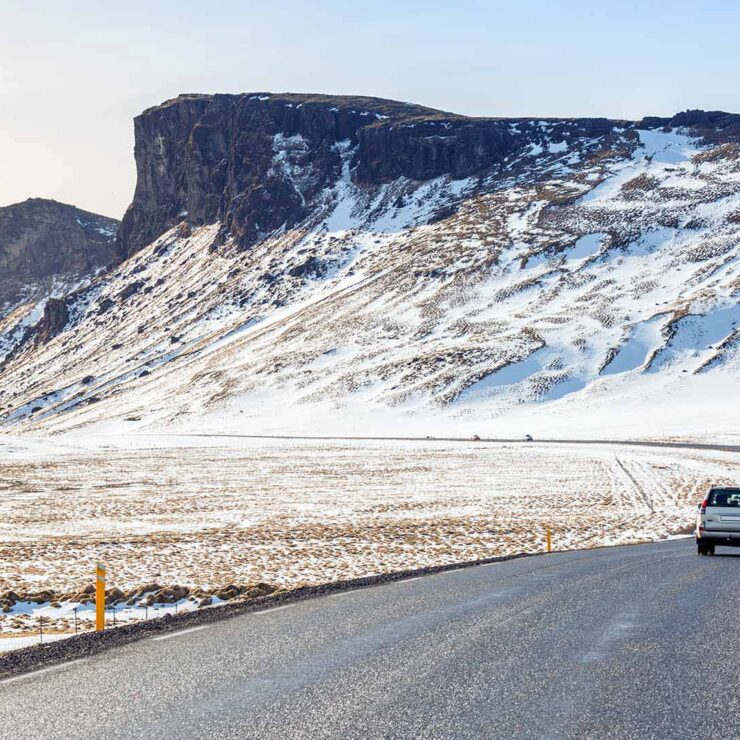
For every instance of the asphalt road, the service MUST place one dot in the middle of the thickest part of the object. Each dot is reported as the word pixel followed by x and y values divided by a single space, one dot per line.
pixel 631 642
pixel 498 440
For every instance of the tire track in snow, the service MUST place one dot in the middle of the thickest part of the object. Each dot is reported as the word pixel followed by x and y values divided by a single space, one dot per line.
pixel 638 487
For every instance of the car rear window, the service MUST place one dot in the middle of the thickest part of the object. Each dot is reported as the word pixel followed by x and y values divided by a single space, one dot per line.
pixel 724 497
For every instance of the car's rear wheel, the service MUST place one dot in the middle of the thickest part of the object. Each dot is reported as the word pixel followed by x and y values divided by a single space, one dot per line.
pixel 710 549
pixel 701 548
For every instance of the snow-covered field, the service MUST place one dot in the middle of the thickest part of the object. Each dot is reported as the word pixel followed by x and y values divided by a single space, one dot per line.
pixel 208 512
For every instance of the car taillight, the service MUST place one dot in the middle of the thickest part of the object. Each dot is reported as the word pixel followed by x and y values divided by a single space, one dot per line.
pixel 704 505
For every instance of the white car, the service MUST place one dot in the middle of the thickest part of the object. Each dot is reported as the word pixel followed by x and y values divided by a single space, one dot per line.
pixel 718 520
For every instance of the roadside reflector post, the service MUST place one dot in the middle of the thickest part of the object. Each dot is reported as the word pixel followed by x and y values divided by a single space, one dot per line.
pixel 100 597
pixel 548 539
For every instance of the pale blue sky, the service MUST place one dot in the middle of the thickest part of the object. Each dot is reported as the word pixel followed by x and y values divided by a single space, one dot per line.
pixel 74 73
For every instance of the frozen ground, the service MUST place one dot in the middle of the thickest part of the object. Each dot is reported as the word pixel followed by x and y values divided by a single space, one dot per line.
pixel 209 512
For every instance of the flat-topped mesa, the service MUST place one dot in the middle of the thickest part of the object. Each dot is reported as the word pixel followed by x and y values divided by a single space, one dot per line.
pixel 212 158
pixel 256 161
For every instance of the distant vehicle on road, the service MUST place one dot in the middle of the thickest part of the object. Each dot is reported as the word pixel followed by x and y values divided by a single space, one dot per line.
pixel 528 438
pixel 718 520
pixel 476 438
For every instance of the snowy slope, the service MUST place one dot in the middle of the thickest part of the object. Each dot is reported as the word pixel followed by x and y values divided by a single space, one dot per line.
pixel 587 288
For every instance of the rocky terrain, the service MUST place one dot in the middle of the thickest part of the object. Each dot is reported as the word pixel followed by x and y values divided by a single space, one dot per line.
pixel 305 262
pixel 212 158
pixel 46 249
pixel 42 241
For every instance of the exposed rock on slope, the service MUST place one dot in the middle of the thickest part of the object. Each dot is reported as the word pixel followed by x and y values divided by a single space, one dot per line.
pixel 329 255
pixel 54 320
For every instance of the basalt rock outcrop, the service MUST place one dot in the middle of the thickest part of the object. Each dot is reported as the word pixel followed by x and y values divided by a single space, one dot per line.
pixel 256 161
pixel 253 162
pixel 422 149
pixel 713 126
pixel 54 319
pixel 42 241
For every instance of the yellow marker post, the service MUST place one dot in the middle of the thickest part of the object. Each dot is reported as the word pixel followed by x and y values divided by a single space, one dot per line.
pixel 100 597
pixel 549 540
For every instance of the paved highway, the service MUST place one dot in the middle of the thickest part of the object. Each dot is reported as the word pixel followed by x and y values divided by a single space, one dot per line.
pixel 498 440
pixel 632 642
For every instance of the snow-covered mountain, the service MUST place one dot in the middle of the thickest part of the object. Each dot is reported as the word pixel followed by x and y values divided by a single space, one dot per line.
pixel 351 265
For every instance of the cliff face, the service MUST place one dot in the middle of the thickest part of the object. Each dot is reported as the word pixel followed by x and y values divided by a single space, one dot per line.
pixel 42 240
pixel 217 158
pixel 457 146
pixel 255 162
pixel 715 127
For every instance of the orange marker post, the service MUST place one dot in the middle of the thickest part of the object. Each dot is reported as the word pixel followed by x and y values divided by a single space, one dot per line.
pixel 100 597
pixel 549 540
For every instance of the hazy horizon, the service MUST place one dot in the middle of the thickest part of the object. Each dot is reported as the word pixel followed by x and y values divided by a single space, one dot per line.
pixel 74 75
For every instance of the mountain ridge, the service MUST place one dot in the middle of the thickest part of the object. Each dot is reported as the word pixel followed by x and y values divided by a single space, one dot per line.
pixel 216 163
pixel 42 239
pixel 583 265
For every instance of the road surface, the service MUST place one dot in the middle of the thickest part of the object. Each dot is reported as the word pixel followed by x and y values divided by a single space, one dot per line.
pixel 630 642
pixel 497 440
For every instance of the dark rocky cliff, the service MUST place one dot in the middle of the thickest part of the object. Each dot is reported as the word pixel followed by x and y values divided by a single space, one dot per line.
pixel 206 158
pixel 425 148
pixel 212 158
pixel 714 126
pixel 41 240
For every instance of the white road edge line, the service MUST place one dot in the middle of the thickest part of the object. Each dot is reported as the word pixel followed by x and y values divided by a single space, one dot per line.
pixel 42 670
pixel 270 611
pixel 407 580
pixel 181 632
pixel 343 593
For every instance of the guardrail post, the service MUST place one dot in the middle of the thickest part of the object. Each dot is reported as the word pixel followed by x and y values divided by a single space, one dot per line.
pixel 100 597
